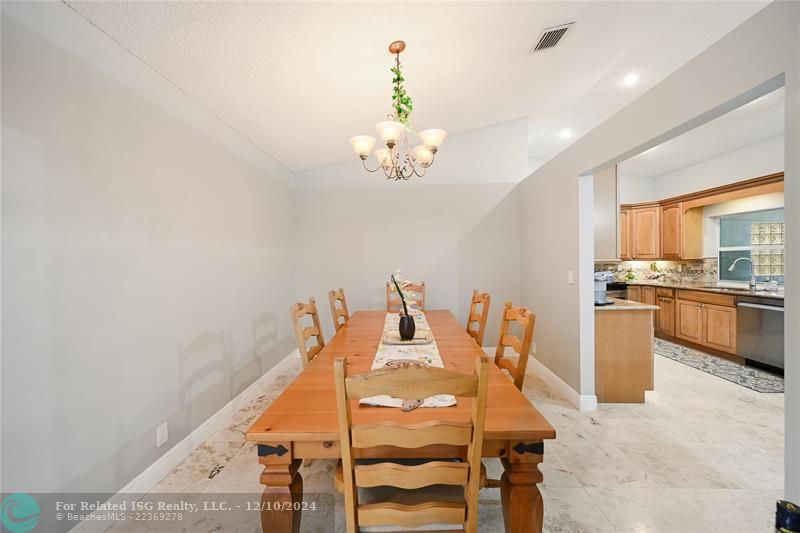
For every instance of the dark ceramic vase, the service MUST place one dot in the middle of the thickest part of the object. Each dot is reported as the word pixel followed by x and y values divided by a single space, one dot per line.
pixel 407 328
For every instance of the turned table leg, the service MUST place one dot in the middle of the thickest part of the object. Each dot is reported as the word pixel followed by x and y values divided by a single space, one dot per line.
pixel 281 502
pixel 523 509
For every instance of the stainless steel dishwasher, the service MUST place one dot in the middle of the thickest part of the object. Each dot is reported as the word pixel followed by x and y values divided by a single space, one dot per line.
pixel 759 330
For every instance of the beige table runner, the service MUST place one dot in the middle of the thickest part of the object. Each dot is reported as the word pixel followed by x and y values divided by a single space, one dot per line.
pixel 424 353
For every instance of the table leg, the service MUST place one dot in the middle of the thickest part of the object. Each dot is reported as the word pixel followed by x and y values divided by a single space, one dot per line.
pixel 281 502
pixel 523 508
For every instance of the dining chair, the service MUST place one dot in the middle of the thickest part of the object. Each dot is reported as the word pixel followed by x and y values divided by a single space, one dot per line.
pixel 417 293
pixel 357 479
pixel 302 334
pixel 339 312
pixel 483 299
pixel 527 321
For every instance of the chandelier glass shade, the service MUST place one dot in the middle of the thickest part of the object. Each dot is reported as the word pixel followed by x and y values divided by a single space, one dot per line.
pixel 398 159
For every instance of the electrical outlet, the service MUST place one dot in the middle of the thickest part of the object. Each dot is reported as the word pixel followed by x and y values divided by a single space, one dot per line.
pixel 162 434
pixel 570 277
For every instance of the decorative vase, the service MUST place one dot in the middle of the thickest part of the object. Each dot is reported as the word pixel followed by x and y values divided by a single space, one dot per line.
pixel 407 327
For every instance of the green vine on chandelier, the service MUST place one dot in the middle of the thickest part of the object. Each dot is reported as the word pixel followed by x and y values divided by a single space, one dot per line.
pixel 401 102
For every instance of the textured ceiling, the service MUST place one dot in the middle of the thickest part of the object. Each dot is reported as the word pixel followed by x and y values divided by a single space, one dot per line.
pixel 299 79
pixel 754 122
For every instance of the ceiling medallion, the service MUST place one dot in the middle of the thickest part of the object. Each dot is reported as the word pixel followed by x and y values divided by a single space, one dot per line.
pixel 394 131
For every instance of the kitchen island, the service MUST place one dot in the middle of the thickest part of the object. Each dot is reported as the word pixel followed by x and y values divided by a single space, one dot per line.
pixel 623 351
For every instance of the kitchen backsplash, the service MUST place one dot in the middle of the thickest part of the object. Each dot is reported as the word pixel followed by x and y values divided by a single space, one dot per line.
pixel 703 270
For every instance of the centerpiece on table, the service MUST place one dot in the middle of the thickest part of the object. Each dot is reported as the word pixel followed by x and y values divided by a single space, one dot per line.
pixel 406 326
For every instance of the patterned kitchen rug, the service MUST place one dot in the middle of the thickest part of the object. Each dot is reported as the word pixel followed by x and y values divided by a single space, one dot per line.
pixel 746 376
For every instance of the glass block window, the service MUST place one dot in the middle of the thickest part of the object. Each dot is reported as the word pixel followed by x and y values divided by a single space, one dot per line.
pixel 766 240
pixel 756 236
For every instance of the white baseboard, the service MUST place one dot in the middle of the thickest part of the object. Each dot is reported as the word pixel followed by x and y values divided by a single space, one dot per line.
pixel 583 402
pixel 148 479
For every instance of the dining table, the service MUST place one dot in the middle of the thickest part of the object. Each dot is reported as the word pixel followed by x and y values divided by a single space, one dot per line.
pixel 302 425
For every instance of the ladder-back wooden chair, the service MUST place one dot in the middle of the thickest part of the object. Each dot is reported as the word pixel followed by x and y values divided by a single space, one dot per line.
pixel 527 321
pixel 483 299
pixel 340 313
pixel 417 293
pixel 302 334
pixel 412 382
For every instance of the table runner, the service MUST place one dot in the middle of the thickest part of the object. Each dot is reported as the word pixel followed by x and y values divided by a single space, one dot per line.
pixel 424 353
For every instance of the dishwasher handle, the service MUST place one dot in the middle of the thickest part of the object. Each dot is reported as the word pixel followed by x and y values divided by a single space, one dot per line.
pixel 760 306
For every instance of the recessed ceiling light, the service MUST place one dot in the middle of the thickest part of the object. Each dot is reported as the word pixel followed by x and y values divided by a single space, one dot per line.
pixel 566 133
pixel 630 79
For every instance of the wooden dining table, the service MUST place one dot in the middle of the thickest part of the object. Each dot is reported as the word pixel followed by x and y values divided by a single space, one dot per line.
pixel 302 425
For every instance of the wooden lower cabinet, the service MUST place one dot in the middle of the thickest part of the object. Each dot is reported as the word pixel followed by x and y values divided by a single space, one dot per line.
pixel 648 295
pixel 706 324
pixel 665 316
pixel 689 321
pixel 720 327
pixel 634 293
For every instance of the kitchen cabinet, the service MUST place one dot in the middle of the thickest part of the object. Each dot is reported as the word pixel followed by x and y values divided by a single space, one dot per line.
pixel 646 232
pixel 720 327
pixel 648 295
pixel 681 232
pixel 665 316
pixel 625 234
pixel 689 321
pixel 634 293
pixel 707 319
pixel 671 231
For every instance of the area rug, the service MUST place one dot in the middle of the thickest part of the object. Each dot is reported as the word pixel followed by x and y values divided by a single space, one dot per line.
pixel 746 376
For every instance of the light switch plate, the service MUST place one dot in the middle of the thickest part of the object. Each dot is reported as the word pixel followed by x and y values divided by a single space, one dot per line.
pixel 570 277
pixel 162 434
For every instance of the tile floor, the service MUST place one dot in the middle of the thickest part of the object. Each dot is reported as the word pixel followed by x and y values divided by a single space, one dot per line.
pixel 702 454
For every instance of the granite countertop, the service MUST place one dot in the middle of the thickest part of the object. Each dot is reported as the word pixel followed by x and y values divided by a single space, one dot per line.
pixel 625 305
pixel 706 287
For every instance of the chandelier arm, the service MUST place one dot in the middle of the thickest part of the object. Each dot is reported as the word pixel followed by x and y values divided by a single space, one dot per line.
pixel 364 164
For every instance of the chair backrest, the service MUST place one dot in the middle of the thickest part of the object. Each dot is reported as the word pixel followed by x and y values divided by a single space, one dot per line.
pixel 527 321
pixel 340 313
pixel 302 334
pixel 412 382
pixel 483 299
pixel 415 291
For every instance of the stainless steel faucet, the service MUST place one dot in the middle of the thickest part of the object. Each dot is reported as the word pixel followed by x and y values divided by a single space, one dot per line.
pixel 752 270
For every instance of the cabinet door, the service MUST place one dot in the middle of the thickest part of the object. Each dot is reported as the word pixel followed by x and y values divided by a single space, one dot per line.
pixel 648 295
pixel 689 321
pixel 646 232
pixel 665 320
pixel 672 231
pixel 625 234
pixel 719 327
pixel 635 294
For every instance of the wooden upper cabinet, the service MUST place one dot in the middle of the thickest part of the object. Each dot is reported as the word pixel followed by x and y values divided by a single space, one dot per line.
pixel 672 228
pixel 625 234
pixel 672 231
pixel 646 232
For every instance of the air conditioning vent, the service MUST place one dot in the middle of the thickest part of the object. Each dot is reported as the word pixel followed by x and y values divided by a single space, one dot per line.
pixel 551 37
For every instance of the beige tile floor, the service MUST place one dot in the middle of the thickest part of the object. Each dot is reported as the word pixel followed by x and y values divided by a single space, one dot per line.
pixel 702 454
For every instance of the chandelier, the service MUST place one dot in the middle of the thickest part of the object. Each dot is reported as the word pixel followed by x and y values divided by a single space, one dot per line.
pixel 399 164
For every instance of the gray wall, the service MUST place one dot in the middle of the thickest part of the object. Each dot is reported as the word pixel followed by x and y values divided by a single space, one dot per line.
pixel 146 258
pixel 454 237
pixel 718 79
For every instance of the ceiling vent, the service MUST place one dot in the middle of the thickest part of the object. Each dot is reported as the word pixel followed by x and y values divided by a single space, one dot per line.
pixel 551 37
